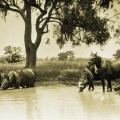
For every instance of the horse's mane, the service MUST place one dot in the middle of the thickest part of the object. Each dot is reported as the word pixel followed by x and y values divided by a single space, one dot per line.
pixel 104 61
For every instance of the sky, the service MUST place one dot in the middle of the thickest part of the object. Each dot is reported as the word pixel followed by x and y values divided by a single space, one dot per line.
pixel 12 33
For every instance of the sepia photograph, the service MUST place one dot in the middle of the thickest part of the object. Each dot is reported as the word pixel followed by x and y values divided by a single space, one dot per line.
pixel 59 59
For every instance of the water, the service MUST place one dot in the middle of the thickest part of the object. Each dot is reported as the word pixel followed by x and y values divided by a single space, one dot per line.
pixel 58 103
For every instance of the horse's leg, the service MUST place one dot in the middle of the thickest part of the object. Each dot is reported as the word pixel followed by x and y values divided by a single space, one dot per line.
pixel 103 84
pixel 109 84
pixel 89 87
pixel 92 86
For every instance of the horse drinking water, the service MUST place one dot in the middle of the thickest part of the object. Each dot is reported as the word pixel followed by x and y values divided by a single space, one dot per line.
pixel 86 79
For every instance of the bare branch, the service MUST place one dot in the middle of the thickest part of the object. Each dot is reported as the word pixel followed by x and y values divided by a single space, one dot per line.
pixel 49 14
pixel 37 5
pixel 113 16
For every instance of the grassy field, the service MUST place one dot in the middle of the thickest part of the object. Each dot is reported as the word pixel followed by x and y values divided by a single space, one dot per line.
pixel 60 71
pixel 67 72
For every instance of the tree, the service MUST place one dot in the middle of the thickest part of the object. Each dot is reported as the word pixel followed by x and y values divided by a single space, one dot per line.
pixel 75 21
pixel 13 54
pixel 62 56
pixel 12 50
pixel 70 55
pixel 8 49
pixel 114 19
pixel 117 54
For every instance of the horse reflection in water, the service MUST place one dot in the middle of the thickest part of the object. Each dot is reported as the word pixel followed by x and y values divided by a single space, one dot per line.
pixel 98 105
pixel 106 69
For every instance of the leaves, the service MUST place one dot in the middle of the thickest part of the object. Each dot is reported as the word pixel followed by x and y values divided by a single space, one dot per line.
pixel 12 50
pixel 80 23
pixel 117 54
pixel 106 3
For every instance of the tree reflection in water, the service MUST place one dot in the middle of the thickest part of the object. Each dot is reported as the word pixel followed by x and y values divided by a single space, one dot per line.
pixel 58 103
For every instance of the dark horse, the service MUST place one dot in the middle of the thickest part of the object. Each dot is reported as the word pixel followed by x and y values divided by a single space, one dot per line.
pixel 105 69
pixel 19 78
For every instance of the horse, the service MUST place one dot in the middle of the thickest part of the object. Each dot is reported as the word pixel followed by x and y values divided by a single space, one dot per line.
pixel 106 69
pixel 2 76
pixel 19 79
pixel 86 79
pixel 91 78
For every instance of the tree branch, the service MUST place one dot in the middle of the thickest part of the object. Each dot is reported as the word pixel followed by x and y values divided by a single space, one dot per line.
pixel 49 14
pixel 54 18
pixel 112 16
pixel 56 22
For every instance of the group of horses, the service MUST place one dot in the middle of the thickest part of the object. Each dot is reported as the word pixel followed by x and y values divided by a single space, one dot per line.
pixel 18 78
pixel 103 70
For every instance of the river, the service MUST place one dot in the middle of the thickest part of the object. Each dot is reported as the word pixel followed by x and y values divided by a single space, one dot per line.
pixel 58 103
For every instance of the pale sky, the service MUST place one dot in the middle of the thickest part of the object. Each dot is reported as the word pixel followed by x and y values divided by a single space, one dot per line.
pixel 12 33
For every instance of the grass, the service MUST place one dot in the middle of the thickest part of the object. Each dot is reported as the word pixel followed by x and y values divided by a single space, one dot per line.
pixel 48 71
pixel 59 70
pixel 53 72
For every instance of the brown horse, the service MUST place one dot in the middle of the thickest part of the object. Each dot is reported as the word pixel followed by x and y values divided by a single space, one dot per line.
pixel 86 79
pixel 106 69
pixel 90 79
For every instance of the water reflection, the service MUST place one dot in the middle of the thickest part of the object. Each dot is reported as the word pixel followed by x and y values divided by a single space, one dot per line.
pixel 58 103
pixel 99 105
pixel 17 104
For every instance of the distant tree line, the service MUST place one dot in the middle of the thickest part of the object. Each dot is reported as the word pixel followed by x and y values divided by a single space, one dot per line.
pixel 70 55
pixel 12 54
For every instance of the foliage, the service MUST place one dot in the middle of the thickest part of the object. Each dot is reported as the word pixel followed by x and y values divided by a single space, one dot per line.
pixel 106 3
pixel 12 50
pixel 74 20
pixel 62 56
pixel 68 55
pixel 113 17
pixel 48 70
pixel 80 23
pixel 13 54
pixel 117 54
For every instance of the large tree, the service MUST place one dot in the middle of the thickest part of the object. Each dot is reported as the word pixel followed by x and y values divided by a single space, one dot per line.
pixel 75 21
pixel 113 19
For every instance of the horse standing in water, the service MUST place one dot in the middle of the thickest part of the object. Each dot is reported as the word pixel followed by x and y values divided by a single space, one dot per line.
pixel 105 69
pixel 83 82
pixel 86 79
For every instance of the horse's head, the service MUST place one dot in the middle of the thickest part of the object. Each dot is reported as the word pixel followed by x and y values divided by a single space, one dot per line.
pixel 11 76
pixel 94 59
pixel 8 80
pixel 82 84
pixel 1 75
pixel 5 82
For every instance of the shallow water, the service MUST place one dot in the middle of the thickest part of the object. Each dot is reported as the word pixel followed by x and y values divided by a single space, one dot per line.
pixel 58 103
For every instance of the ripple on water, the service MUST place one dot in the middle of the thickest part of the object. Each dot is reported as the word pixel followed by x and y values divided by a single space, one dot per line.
pixel 58 103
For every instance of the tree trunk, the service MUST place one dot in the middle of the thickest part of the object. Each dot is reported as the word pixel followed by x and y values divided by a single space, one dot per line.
pixel 31 57
pixel 29 46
